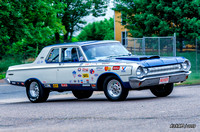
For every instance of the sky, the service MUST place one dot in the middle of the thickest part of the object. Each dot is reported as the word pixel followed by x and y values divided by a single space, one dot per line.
pixel 90 18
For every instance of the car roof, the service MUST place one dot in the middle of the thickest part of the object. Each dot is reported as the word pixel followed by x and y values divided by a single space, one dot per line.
pixel 82 43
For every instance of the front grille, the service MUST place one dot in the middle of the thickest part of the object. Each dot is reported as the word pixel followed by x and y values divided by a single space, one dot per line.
pixel 164 69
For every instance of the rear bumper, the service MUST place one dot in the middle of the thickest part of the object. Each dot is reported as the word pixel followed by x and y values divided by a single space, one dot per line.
pixel 154 80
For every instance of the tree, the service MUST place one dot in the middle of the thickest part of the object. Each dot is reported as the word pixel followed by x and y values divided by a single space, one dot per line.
pixel 102 30
pixel 72 12
pixel 27 26
pixel 161 17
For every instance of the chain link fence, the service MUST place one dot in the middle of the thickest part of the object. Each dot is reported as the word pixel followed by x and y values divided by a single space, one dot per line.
pixel 168 46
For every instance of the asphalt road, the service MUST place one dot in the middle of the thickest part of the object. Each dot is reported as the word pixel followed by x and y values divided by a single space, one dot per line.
pixel 63 112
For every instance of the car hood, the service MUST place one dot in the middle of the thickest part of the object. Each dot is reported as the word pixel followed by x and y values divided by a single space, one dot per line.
pixel 150 61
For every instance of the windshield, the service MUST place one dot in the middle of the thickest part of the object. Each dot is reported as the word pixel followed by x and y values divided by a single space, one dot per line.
pixel 102 51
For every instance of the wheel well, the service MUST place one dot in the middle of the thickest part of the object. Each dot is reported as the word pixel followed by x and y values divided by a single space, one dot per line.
pixel 29 81
pixel 102 78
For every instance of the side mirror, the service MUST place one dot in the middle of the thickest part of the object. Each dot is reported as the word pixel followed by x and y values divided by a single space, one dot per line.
pixel 129 54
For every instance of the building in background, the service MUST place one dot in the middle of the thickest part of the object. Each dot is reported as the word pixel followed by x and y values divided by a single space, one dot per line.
pixel 119 27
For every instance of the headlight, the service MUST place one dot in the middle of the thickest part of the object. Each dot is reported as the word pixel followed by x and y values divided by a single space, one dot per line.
pixel 185 65
pixel 140 72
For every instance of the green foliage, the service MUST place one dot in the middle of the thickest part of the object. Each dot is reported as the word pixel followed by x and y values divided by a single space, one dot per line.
pixel 102 30
pixel 161 17
pixel 72 12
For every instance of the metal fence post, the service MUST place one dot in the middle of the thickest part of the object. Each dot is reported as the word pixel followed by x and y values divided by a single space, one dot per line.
pixel 174 45
pixel 196 55
pixel 159 46
pixel 143 45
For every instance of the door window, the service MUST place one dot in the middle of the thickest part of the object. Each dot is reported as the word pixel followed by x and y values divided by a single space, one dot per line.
pixel 71 54
pixel 53 56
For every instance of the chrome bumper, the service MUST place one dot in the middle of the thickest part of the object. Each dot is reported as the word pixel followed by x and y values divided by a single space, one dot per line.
pixel 7 80
pixel 154 80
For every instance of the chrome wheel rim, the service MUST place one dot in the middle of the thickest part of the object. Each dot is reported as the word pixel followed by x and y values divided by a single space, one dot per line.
pixel 114 88
pixel 34 90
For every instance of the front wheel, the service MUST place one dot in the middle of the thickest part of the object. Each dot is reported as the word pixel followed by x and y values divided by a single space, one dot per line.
pixel 162 90
pixel 36 93
pixel 81 94
pixel 114 89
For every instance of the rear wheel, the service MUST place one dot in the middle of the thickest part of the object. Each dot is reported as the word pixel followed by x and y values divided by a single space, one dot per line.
pixel 114 89
pixel 81 94
pixel 36 93
pixel 162 90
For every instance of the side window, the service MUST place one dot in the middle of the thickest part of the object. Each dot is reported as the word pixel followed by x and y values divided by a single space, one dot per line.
pixel 53 56
pixel 71 54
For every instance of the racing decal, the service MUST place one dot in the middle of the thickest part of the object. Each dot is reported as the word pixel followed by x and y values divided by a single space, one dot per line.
pixel 74 73
pixel 22 83
pixel 116 67
pixel 85 75
pixel 100 68
pixel 123 69
pixel 96 75
pixel 74 81
pixel 44 82
pixel 79 75
pixel 107 68
pixel 81 58
pixel 64 85
pixel 70 81
pixel 81 81
pixel 87 81
pixel 92 79
pixel 79 70
pixel 55 85
pixel 85 69
pixel 91 71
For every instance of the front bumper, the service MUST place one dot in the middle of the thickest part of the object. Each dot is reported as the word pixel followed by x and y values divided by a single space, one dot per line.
pixel 154 80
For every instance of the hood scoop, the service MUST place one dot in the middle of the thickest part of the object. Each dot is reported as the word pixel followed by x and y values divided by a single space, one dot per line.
pixel 137 58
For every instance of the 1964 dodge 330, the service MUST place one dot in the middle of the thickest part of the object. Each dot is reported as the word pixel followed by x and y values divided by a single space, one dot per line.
pixel 84 67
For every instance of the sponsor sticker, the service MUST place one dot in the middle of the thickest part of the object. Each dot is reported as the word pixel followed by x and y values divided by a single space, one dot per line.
pixel 123 69
pixel 107 68
pixel 116 67
pixel 44 82
pixel 85 75
pixel 91 71
pixel 64 85
pixel 79 75
pixel 100 68
pixel 47 85
pixel 81 81
pixel 96 75
pixel 92 79
pixel 75 81
pixel 74 74
pixel 70 81
pixel 22 83
pixel 85 69
pixel 79 70
pixel 55 85
pixel 87 81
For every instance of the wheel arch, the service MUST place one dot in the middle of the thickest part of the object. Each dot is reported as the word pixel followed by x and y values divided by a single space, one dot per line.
pixel 28 81
pixel 102 77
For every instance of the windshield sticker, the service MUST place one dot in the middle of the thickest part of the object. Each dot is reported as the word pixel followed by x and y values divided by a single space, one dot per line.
pixel 74 73
pixel 107 68
pixel 85 75
pixel 116 67
pixel 85 69
pixel 123 69
pixel 91 71
pixel 81 58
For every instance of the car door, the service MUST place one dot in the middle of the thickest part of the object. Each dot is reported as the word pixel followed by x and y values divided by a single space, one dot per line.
pixel 70 65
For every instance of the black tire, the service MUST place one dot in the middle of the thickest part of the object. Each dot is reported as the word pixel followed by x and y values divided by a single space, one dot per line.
pixel 114 90
pixel 162 90
pixel 36 93
pixel 82 94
